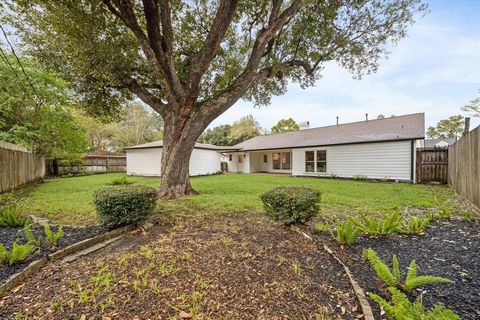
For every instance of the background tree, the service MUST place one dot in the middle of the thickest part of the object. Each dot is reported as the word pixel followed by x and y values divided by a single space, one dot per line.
pixel 217 135
pixel 136 126
pixel 449 128
pixel 192 60
pixel 285 125
pixel 473 107
pixel 37 112
pixel 244 129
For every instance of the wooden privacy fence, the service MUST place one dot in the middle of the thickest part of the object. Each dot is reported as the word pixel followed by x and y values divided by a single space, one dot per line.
pixel 92 163
pixel 18 166
pixel 432 165
pixel 464 166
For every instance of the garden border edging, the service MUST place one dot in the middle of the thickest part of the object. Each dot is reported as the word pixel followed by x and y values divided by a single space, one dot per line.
pixel 359 293
pixel 17 278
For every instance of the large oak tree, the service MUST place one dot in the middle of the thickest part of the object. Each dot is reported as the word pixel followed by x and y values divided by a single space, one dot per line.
pixel 191 60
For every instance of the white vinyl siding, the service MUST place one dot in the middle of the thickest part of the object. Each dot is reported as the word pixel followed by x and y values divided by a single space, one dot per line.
pixel 374 160
pixel 147 162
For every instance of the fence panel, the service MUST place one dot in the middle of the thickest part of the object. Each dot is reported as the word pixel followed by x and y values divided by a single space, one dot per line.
pixel 18 166
pixel 432 165
pixel 96 163
pixel 464 166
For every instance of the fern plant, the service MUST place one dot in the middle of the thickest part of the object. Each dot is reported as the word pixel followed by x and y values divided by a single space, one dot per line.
pixel 52 237
pixel 379 226
pixel 18 253
pixel 345 233
pixel 120 181
pixel 401 308
pixel 10 217
pixel 28 233
pixel 392 278
pixel 415 225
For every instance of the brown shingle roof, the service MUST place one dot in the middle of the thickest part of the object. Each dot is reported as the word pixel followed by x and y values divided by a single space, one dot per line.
pixel 159 144
pixel 405 127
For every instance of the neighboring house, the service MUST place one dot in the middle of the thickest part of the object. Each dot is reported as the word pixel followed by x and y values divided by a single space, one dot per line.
pixel 145 159
pixel 439 143
pixel 381 148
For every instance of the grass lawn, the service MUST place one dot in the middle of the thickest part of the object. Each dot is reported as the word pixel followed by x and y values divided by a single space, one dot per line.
pixel 69 200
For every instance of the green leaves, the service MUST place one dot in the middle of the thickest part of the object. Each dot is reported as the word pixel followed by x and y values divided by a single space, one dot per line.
pixel 393 278
pixel 53 237
pixel 345 233
pixel 385 225
pixel 400 308
pixel 285 125
pixel 447 128
pixel 291 204
pixel 18 253
pixel 10 217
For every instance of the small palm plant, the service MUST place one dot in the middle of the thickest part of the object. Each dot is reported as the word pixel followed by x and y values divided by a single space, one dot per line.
pixel 392 278
pixel 400 308
pixel 379 226
pixel 345 233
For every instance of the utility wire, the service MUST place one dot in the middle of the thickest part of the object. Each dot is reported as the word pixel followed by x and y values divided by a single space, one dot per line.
pixel 17 78
pixel 39 101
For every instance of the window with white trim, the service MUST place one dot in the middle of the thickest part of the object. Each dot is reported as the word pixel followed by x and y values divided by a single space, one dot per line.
pixel 281 160
pixel 316 161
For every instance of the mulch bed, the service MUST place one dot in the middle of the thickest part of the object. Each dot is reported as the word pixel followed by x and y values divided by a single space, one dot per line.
pixel 211 267
pixel 71 235
pixel 449 248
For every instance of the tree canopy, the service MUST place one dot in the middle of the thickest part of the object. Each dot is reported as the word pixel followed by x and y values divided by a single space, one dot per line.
pixel 245 128
pixel 285 125
pixel 473 107
pixel 448 128
pixel 37 112
pixel 217 135
pixel 192 60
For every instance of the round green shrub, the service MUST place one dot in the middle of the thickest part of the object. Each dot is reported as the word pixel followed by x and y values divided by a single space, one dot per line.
pixel 124 204
pixel 291 204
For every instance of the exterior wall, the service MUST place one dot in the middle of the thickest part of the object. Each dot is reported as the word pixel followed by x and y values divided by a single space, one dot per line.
pixel 144 162
pixel 375 160
pixel 239 167
pixel 147 162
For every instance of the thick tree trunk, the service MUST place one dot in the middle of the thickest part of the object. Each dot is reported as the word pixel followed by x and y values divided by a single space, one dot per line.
pixel 178 142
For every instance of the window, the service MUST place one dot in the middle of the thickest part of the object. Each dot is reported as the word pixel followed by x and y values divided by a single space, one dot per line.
pixel 276 161
pixel 316 161
pixel 309 161
pixel 230 157
pixel 281 161
pixel 285 160
pixel 240 158
pixel 321 161
pixel 265 158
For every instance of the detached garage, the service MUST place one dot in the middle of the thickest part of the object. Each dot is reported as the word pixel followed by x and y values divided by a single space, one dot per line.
pixel 145 159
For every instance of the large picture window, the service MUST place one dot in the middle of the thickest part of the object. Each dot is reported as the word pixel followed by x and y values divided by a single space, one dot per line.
pixel 316 161
pixel 281 161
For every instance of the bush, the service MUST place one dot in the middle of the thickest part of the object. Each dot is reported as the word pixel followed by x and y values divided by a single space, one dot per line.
pixel 291 204
pixel 121 205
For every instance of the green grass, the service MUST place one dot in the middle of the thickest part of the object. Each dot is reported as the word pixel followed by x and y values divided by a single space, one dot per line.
pixel 69 200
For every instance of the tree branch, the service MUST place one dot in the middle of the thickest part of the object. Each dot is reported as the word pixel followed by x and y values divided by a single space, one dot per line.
pixel 146 96
pixel 216 106
pixel 201 61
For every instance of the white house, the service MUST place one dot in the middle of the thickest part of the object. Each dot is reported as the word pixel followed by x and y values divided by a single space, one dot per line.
pixel 439 143
pixel 145 159
pixel 381 148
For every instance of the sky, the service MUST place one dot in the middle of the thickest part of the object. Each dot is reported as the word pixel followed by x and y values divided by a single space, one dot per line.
pixel 435 69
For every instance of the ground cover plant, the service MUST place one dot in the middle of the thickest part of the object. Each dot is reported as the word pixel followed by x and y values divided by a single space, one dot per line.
pixel 393 278
pixel 10 217
pixel 70 200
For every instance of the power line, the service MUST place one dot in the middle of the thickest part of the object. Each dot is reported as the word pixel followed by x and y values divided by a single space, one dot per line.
pixel 17 78
pixel 39 101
